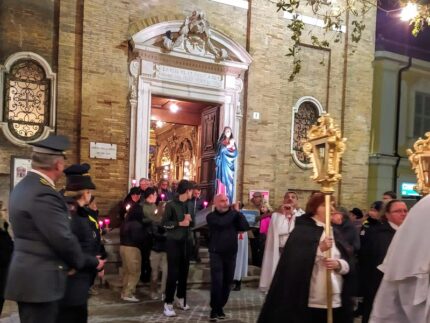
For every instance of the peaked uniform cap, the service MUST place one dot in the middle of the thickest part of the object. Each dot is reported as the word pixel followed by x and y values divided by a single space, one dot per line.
pixel 53 145
pixel 77 178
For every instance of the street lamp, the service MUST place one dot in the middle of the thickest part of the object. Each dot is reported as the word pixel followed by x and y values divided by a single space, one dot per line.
pixel 409 12
pixel 324 147
pixel 420 160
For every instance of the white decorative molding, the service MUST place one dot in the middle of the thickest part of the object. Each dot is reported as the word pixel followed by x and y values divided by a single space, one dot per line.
pixel 308 20
pixel 183 75
pixel 144 41
pixel 52 100
pixel 244 4
pixel 293 120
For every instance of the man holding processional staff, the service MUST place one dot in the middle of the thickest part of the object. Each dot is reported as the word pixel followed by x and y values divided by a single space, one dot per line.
pixel 311 283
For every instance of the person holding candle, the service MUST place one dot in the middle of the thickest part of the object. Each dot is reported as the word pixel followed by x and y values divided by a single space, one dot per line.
pixel 298 289
pixel 93 215
pixel 132 198
pixel 164 194
pixel 133 236
pixel 177 221
pixel 74 305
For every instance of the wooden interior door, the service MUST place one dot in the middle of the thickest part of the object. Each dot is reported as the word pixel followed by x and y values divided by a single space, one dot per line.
pixel 209 126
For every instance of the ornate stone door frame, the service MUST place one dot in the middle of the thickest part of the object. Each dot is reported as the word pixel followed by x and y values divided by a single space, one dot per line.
pixel 183 75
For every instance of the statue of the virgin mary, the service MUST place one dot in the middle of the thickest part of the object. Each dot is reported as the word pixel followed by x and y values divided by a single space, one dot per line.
pixel 225 164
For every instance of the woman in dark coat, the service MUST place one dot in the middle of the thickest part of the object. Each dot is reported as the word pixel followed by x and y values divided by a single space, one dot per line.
pixel 296 294
pixel 74 305
pixel 374 249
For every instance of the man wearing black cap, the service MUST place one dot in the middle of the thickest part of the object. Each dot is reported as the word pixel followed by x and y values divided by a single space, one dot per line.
pixel 178 221
pixel 45 247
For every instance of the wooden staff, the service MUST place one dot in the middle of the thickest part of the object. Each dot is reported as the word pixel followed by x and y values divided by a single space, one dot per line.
pixel 328 255
pixel 324 147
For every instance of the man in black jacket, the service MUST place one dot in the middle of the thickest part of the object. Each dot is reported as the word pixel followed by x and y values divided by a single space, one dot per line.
pixel 224 225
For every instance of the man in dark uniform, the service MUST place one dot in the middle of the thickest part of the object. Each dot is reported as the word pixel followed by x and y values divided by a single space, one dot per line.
pixel 45 247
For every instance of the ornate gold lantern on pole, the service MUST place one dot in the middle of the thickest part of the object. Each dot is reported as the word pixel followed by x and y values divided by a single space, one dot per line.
pixel 420 160
pixel 324 147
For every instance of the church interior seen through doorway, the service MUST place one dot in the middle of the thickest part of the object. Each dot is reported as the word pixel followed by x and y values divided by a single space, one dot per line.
pixel 182 143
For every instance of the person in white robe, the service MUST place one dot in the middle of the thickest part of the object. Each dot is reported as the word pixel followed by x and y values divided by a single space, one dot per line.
pixel 404 293
pixel 281 225
pixel 241 269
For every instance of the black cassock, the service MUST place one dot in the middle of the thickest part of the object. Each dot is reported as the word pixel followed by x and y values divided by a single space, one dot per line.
pixel 287 299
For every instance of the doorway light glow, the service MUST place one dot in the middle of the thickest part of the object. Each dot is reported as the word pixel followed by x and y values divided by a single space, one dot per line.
pixel 173 108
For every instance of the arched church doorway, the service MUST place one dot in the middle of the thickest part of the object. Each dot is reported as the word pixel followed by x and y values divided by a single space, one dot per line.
pixel 192 65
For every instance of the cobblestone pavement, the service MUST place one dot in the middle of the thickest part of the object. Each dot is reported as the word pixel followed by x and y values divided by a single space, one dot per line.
pixel 243 307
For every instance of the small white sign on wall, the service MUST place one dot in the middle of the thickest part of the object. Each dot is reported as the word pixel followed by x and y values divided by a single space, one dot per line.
pixel 102 150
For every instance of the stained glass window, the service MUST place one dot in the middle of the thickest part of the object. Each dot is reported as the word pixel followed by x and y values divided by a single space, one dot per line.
pixel 27 93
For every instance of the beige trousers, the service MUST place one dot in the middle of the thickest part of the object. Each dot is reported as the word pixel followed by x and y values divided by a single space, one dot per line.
pixel 158 263
pixel 131 265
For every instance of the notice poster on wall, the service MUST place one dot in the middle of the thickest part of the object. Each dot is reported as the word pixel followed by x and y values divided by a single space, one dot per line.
pixel 19 167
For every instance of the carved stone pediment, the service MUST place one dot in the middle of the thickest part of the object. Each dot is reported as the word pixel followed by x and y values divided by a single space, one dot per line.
pixel 191 37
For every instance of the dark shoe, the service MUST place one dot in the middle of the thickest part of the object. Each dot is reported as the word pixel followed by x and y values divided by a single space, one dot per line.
pixel 237 284
pixel 221 315
pixel 213 317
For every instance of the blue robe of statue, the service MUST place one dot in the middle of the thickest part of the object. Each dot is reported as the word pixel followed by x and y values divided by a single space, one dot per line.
pixel 224 161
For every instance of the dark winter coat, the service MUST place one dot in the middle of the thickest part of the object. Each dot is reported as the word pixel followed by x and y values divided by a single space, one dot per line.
pixel 133 232
pixel 45 247
pixel 174 213
pixel 373 251
pixel 6 248
pixel 287 299
pixel 79 284
pixel 223 230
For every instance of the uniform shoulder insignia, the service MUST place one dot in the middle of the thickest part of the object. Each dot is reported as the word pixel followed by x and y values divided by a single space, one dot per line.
pixel 45 182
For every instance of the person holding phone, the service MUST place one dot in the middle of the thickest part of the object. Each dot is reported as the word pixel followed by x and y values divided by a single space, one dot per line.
pixel 178 222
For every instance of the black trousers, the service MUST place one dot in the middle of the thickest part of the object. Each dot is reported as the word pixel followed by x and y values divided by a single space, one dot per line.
pixel 255 248
pixel 73 314
pixel 222 272
pixel 178 263
pixel 145 274
pixel 319 315
pixel 38 312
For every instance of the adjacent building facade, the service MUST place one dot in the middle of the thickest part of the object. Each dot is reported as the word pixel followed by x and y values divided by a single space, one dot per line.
pixel 401 105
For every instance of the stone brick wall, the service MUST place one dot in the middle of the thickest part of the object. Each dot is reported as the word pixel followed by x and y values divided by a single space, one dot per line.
pixel 93 55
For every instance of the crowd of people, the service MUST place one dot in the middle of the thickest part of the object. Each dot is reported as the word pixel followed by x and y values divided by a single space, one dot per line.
pixel 57 235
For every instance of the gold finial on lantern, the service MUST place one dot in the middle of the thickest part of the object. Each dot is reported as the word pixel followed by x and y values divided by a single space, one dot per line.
pixel 420 160
pixel 324 147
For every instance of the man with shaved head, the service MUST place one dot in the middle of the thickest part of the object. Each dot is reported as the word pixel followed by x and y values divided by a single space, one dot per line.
pixel 224 224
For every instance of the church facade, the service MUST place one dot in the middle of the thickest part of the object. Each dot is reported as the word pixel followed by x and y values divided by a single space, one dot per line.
pixel 102 72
